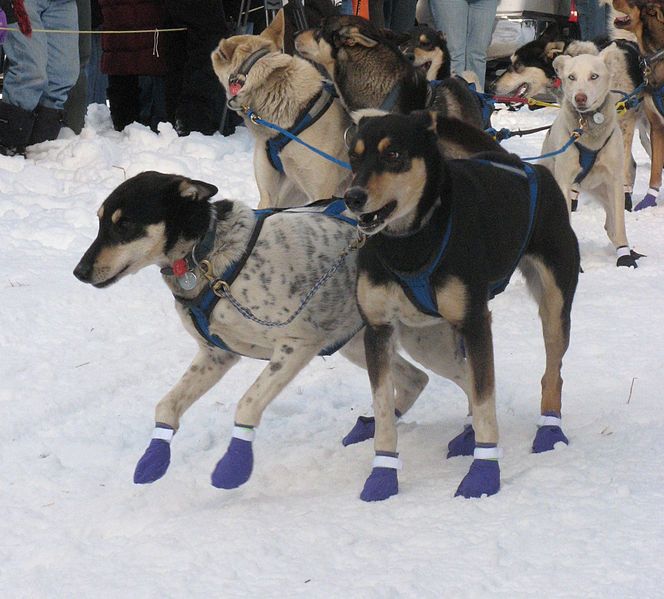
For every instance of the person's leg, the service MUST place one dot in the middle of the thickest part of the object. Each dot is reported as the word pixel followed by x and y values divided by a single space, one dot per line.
pixel 481 20
pixel 123 99
pixel 451 17
pixel 401 15
pixel 593 19
pixel 376 13
pixel 63 65
pixel 77 102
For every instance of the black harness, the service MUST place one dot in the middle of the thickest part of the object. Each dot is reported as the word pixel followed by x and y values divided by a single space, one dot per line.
pixel 201 307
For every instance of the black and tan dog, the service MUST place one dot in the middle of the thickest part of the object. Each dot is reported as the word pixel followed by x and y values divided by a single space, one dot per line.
pixel 370 71
pixel 443 238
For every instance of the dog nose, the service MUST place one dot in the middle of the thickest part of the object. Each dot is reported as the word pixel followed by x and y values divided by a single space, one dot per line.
pixel 83 271
pixel 355 198
pixel 580 98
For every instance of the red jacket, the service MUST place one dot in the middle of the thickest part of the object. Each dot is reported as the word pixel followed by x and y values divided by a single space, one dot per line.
pixel 133 53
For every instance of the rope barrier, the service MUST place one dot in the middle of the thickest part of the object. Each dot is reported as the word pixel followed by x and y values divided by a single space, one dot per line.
pixel 98 32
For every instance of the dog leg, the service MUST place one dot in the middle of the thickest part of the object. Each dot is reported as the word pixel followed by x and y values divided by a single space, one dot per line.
pixel 441 350
pixel 382 482
pixel 554 313
pixel 627 124
pixel 484 474
pixel 207 368
pixel 614 225
pixel 409 382
pixel 234 468
pixel 656 162
pixel 268 179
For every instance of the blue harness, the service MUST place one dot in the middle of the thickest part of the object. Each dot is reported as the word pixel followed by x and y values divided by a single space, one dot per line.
pixel 658 99
pixel 418 286
pixel 200 308
pixel 316 108
pixel 587 158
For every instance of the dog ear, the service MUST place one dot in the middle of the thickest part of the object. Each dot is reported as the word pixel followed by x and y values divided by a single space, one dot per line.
pixel 351 36
pixel 553 49
pixel 275 31
pixel 196 190
pixel 612 57
pixel 559 64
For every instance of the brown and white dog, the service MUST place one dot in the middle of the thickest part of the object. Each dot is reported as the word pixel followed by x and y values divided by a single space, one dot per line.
pixel 286 91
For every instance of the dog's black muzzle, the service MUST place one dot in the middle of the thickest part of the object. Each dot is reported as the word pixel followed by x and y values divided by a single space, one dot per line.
pixel 355 198
pixel 83 271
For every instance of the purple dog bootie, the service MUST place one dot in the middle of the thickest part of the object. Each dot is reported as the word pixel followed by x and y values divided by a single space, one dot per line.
pixel 234 469
pixel 464 442
pixel 648 201
pixel 483 477
pixel 549 432
pixel 157 457
pixel 364 429
pixel 382 482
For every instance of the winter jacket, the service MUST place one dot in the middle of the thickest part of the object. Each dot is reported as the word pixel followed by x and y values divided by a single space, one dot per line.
pixel 135 53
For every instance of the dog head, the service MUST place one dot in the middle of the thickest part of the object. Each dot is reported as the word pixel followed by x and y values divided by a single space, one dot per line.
pixel 427 49
pixel 395 162
pixel 629 17
pixel 323 44
pixel 643 18
pixel 145 221
pixel 530 69
pixel 234 54
pixel 586 79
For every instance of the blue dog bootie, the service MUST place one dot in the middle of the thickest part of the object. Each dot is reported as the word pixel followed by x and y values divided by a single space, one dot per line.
pixel 464 442
pixel 234 469
pixel 549 432
pixel 364 429
pixel 382 482
pixel 157 457
pixel 483 477
pixel 648 201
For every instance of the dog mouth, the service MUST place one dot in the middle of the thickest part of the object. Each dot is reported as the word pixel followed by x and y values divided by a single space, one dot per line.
pixel 425 66
pixel 369 222
pixel 622 22
pixel 113 279
pixel 521 90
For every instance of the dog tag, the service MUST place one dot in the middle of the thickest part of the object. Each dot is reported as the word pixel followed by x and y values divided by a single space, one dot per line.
pixel 598 117
pixel 187 281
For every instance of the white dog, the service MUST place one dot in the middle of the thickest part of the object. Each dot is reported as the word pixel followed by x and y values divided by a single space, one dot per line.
pixel 594 162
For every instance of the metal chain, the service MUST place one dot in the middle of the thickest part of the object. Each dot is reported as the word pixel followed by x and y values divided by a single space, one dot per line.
pixel 222 289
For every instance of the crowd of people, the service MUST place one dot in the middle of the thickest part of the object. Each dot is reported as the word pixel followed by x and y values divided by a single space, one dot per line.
pixel 57 62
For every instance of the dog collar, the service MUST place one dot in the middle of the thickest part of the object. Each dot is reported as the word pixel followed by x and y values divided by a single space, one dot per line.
pixel 183 267
pixel 236 80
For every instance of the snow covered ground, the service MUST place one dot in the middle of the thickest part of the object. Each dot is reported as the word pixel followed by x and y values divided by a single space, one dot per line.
pixel 82 369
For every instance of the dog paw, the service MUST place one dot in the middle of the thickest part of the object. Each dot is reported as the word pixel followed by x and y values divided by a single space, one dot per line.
pixel 234 469
pixel 154 462
pixel 463 443
pixel 364 429
pixel 628 201
pixel 483 478
pixel 547 437
pixel 648 201
pixel 630 259
pixel 381 484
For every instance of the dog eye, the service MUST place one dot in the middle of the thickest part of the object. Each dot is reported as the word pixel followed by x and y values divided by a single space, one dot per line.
pixel 392 155
pixel 571 77
pixel 594 76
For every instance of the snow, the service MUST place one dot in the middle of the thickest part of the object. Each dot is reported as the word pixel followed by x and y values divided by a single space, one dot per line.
pixel 82 369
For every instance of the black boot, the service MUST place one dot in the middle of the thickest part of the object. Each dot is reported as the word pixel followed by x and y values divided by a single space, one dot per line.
pixel 48 122
pixel 15 129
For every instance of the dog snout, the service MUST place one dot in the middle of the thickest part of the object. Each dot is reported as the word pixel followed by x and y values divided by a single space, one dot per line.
pixel 355 198
pixel 83 271
pixel 580 99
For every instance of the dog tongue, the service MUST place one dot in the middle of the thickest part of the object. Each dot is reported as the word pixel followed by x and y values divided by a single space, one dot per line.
pixel 234 88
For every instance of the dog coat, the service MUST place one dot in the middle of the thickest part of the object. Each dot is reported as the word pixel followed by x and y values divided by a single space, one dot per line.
pixel 200 308
pixel 418 286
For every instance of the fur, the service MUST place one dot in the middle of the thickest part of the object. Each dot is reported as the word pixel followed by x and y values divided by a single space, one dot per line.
pixel 154 218
pixel 278 88
pixel 404 193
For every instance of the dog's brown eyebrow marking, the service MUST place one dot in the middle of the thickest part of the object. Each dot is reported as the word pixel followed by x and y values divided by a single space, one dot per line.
pixel 424 39
pixel 384 143
pixel 116 216
pixel 359 147
pixel 100 212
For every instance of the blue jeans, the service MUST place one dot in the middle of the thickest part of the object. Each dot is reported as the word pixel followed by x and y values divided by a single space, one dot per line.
pixel 43 68
pixel 593 19
pixel 468 26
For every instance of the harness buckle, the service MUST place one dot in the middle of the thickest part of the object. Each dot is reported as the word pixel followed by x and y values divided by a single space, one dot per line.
pixel 220 288
pixel 206 269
